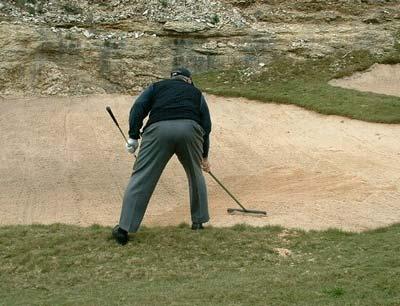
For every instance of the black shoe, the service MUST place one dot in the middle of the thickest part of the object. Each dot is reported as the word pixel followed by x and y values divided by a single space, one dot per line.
pixel 197 226
pixel 120 235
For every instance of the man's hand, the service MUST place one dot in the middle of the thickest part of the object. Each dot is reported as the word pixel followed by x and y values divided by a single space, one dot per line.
pixel 205 165
pixel 131 145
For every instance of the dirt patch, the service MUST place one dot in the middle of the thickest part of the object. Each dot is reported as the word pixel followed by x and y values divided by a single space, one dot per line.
pixel 283 252
pixel 63 160
pixel 382 79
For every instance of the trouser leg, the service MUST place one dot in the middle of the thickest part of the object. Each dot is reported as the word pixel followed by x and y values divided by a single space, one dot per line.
pixel 154 154
pixel 189 152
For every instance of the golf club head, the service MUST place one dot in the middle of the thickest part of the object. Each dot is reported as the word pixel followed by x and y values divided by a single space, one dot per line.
pixel 109 111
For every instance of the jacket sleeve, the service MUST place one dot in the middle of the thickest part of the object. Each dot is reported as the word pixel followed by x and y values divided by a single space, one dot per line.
pixel 206 125
pixel 140 109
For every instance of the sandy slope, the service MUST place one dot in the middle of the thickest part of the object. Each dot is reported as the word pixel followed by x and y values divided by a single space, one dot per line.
pixel 383 79
pixel 62 160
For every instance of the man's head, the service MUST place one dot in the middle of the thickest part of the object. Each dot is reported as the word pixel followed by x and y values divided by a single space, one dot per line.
pixel 182 73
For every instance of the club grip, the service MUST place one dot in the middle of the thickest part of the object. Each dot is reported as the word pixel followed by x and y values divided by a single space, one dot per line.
pixel 108 108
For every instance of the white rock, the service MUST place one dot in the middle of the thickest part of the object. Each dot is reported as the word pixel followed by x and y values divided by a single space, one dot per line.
pixel 210 45
pixel 87 34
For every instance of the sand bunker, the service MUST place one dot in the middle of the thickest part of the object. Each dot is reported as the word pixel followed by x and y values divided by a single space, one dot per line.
pixel 383 79
pixel 63 160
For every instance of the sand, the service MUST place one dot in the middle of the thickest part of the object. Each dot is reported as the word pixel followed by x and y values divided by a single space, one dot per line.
pixel 63 160
pixel 379 78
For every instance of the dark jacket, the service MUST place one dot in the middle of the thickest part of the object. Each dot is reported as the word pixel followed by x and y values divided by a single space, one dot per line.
pixel 170 100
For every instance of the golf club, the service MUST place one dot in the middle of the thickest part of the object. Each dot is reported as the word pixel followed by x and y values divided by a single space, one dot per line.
pixel 230 210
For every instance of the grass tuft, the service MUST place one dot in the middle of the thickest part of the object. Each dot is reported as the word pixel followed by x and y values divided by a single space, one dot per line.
pixel 334 292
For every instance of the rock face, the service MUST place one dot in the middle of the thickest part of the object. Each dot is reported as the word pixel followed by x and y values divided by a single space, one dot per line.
pixel 184 26
pixel 97 46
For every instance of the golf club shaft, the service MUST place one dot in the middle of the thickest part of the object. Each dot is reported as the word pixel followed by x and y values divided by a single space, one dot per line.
pixel 227 191
pixel 108 108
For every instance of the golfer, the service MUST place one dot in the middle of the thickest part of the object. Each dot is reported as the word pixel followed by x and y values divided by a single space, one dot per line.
pixel 179 123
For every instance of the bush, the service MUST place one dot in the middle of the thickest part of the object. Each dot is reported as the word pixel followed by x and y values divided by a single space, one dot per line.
pixel 215 19
pixel 72 9
pixel 164 3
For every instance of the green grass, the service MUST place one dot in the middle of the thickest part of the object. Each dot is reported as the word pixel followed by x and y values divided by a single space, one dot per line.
pixel 70 265
pixel 305 83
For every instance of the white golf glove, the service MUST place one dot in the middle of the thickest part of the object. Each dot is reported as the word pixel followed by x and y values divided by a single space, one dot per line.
pixel 131 145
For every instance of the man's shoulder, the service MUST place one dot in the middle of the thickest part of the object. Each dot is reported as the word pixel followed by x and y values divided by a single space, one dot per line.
pixel 171 82
pixel 164 81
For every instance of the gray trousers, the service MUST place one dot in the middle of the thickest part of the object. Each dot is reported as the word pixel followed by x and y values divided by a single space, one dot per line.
pixel 160 142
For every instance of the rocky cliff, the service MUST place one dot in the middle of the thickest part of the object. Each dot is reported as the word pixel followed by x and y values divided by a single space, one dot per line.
pixel 95 46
